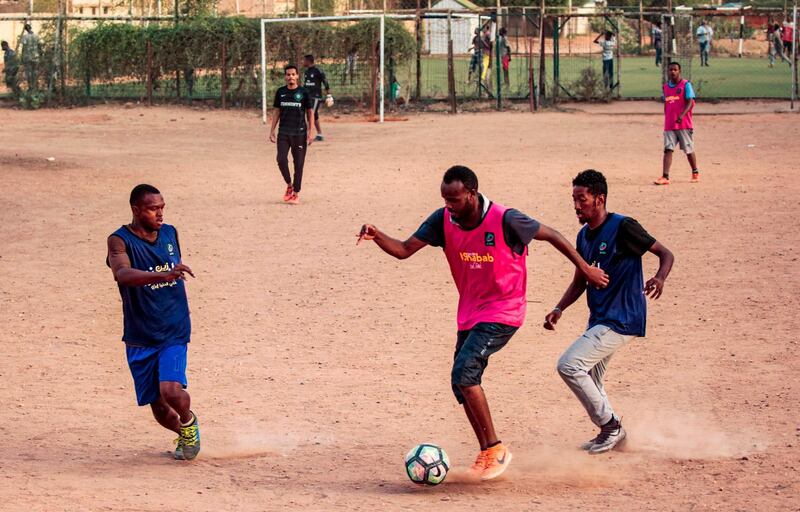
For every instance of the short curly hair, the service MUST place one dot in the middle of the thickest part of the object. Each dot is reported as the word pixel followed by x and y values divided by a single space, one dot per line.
pixel 592 180
pixel 463 174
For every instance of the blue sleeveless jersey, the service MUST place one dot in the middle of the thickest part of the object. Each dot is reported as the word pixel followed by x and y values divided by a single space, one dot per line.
pixel 156 314
pixel 622 305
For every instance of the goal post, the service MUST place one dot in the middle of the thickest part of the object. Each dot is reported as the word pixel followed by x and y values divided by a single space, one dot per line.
pixel 381 81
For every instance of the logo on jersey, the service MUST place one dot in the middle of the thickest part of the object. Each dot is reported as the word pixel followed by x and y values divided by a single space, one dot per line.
pixel 603 247
pixel 171 249
pixel 474 260
pixel 166 267
pixel 488 239
pixel 298 96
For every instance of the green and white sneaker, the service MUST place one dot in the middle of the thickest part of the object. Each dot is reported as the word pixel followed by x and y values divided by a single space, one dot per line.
pixel 188 444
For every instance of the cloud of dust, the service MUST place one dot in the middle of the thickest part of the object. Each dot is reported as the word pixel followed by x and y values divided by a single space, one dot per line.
pixel 548 466
pixel 251 443
pixel 689 436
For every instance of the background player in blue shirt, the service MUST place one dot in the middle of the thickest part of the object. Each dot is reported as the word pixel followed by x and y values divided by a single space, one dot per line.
pixel 618 312
pixel 145 257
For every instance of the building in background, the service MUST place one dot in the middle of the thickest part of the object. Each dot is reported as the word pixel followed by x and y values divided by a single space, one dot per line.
pixel 435 39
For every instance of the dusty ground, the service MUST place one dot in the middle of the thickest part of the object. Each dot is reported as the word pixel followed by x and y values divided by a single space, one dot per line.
pixel 316 364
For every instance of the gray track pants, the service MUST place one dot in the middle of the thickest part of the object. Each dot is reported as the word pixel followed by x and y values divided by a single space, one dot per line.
pixel 583 365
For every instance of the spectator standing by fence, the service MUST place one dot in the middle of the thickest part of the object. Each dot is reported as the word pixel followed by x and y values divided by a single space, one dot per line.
pixel 787 35
pixel 475 60
pixel 30 56
pixel 656 38
pixel 505 53
pixel 608 44
pixel 486 52
pixel 704 35
pixel 10 69
pixel 774 38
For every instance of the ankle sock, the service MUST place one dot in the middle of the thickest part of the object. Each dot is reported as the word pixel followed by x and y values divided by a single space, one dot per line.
pixel 190 421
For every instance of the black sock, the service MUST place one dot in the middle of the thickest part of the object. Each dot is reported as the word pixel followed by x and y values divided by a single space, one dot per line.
pixel 612 423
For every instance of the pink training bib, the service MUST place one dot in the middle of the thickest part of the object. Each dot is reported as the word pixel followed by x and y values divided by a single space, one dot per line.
pixel 674 103
pixel 491 279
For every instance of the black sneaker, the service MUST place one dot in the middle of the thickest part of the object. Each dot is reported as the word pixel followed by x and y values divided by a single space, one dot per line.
pixel 611 434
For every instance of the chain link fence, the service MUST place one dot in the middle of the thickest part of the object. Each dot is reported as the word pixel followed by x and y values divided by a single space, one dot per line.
pixel 513 54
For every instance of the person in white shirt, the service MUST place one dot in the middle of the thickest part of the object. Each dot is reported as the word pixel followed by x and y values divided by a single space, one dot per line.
pixel 608 44
pixel 704 35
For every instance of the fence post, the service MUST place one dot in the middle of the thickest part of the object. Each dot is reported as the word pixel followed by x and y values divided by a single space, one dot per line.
pixel 556 23
pixel 88 77
pixel 541 92
pixel 641 22
pixel 62 54
pixel 224 75
pixel 418 35
pixel 795 38
pixel 149 73
pixel 374 72
pixel 741 34
pixel 451 79
pixel 620 21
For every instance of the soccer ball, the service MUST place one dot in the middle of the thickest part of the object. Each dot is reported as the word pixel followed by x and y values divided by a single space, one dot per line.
pixel 427 464
pixel 329 101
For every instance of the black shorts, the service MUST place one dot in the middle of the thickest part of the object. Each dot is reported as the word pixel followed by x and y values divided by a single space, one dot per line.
pixel 473 348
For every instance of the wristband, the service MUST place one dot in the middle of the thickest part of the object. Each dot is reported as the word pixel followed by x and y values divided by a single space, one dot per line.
pixel 557 310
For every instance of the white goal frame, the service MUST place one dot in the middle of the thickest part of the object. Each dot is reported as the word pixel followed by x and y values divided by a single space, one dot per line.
pixel 381 51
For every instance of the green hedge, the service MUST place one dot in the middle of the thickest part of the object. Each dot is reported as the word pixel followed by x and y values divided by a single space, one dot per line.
pixel 112 50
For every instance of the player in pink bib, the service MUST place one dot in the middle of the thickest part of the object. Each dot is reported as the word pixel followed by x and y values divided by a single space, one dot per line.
pixel 678 96
pixel 486 246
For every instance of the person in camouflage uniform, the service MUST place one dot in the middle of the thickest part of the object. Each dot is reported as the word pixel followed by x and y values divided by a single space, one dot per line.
pixel 10 68
pixel 30 56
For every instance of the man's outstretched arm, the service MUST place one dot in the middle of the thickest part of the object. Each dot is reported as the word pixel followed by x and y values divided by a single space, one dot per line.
pixel 399 249
pixel 595 275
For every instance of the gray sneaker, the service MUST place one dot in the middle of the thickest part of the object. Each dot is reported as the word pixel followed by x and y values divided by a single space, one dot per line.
pixel 189 441
pixel 608 439
pixel 588 444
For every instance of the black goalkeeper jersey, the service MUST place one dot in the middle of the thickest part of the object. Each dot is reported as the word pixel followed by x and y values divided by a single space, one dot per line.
pixel 314 79
pixel 293 104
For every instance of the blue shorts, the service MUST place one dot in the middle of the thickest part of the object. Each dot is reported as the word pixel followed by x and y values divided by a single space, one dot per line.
pixel 152 365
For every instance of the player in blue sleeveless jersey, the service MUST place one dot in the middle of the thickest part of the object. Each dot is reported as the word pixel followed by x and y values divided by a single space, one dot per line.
pixel 145 257
pixel 618 312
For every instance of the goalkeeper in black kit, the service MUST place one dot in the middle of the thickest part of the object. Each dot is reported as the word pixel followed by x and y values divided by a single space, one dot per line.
pixel 314 80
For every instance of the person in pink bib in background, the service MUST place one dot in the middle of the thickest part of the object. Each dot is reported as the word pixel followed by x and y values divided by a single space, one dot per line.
pixel 486 245
pixel 678 99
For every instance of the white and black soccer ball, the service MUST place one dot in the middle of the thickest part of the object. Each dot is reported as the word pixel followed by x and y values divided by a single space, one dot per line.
pixel 427 464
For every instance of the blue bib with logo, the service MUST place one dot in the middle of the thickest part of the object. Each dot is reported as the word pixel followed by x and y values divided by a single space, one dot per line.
pixel 156 314
pixel 622 305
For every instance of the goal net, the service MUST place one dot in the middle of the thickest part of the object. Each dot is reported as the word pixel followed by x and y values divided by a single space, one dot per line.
pixel 350 50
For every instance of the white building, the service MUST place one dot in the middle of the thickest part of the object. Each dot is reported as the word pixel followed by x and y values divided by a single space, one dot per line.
pixel 435 41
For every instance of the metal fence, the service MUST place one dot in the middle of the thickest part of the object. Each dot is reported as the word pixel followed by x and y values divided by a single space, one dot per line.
pixel 529 59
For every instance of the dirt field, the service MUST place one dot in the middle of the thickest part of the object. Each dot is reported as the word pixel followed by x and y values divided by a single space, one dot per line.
pixel 316 364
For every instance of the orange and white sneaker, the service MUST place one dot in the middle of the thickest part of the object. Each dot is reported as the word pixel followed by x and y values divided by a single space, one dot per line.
pixel 288 194
pixel 498 458
pixel 479 466
pixel 294 198
pixel 695 177
pixel 661 181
